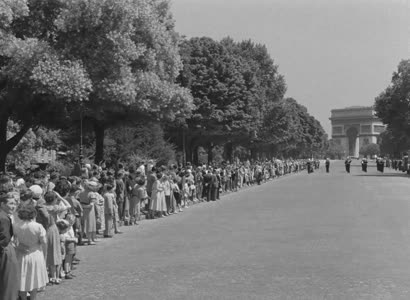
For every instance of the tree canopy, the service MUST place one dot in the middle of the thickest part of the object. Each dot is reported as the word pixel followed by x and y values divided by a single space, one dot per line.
pixel 393 105
pixel 120 56
pixel 36 80
pixel 291 131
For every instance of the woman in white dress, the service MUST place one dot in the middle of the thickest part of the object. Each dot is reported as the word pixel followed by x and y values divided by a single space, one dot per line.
pixel 30 237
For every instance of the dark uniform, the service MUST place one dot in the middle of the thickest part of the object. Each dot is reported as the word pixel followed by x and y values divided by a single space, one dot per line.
pixel 348 161
pixel 327 165
pixel 380 164
pixel 364 165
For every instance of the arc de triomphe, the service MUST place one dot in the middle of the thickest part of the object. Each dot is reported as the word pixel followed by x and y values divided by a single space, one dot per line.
pixel 355 126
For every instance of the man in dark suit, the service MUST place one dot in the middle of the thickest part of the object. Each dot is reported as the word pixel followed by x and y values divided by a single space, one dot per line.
pixel 9 281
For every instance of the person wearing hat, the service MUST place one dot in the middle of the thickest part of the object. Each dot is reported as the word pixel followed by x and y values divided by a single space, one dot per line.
pixel 8 260
pixel 88 198
pixel 364 164
pixel 42 213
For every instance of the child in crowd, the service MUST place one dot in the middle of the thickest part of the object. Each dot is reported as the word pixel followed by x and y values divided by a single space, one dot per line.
pixel 177 194
pixel 70 244
pixel 109 206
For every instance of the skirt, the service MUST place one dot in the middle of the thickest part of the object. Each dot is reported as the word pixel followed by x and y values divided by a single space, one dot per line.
pixel 90 222
pixel 33 270
pixel 53 246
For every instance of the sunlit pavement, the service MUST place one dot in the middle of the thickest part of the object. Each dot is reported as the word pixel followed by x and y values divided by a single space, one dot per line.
pixel 317 236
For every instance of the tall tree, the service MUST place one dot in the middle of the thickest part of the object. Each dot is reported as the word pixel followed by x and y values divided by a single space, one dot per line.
pixel 290 131
pixel 393 104
pixel 227 89
pixel 130 50
pixel 37 82
pixel 127 50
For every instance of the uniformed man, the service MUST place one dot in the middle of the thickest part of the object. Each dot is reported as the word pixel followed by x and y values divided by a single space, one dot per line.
pixel 348 161
pixel 380 164
pixel 327 163
pixel 364 164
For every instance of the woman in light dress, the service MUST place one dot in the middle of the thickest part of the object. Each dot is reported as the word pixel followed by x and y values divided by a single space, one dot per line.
pixel 55 205
pixel 158 205
pixel 30 237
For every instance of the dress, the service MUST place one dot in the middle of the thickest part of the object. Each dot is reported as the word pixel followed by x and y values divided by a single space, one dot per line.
pixel 158 197
pixel 31 262
pixel 53 256
pixel 90 223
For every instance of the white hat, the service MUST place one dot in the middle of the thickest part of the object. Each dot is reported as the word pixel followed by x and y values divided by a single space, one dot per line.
pixel 37 191
pixel 20 182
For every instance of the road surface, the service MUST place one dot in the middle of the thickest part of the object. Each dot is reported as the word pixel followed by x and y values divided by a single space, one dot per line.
pixel 317 236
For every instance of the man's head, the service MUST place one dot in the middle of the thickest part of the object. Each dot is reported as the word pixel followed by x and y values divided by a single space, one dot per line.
pixel 8 202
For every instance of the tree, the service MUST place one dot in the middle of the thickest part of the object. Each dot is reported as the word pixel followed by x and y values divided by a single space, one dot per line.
pixel 120 56
pixel 33 140
pixel 392 145
pixel 334 150
pixel 140 141
pixel 370 150
pixel 291 131
pixel 230 94
pixel 37 82
pixel 130 50
pixel 393 104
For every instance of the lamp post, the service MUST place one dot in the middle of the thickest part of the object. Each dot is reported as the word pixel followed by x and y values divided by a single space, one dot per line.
pixel 81 137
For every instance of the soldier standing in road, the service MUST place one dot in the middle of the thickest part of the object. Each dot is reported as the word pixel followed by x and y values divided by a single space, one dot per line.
pixel 380 164
pixel 327 165
pixel 348 161
pixel 364 164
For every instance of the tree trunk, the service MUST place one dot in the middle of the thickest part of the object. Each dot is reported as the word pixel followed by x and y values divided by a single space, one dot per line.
pixel 3 140
pixel 7 145
pixel 210 153
pixel 99 130
pixel 228 151
pixel 195 155
pixel 254 155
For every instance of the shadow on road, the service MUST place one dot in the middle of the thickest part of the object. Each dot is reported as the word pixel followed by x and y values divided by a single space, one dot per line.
pixel 385 175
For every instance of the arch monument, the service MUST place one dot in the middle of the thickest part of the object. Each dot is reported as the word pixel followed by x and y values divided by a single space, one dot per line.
pixel 355 126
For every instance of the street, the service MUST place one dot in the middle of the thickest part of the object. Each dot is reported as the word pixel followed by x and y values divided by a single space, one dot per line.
pixel 317 236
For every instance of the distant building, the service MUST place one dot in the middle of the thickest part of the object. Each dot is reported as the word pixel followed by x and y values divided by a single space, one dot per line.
pixel 355 126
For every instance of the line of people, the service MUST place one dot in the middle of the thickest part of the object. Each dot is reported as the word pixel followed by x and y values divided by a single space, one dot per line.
pixel 44 217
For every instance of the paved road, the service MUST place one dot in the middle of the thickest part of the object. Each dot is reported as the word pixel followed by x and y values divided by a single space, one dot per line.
pixel 318 236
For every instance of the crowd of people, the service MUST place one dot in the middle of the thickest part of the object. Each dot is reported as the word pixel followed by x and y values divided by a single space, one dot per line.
pixel 45 216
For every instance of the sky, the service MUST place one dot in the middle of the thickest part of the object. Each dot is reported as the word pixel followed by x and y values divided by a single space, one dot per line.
pixel 332 53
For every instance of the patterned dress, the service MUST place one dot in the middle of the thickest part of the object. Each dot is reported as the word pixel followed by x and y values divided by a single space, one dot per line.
pixel 53 255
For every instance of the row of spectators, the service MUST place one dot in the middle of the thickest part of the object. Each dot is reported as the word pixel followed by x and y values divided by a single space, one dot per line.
pixel 45 216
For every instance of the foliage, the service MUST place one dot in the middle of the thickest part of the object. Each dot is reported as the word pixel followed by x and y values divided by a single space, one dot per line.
pixel 393 146
pixel 291 131
pixel 231 84
pixel 130 50
pixel 334 150
pixel 121 55
pixel 393 105
pixel 139 142
pixel 370 150
pixel 32 141
pixel 37 80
